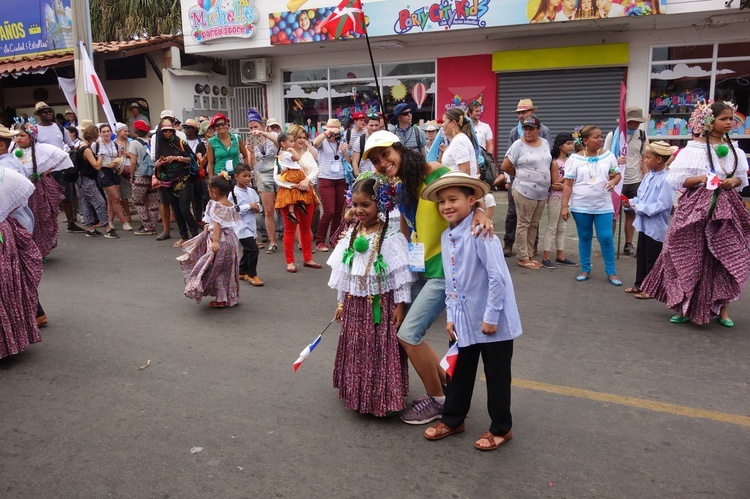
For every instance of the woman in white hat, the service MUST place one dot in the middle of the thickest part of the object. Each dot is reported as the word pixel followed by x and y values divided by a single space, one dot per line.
pixel 331 183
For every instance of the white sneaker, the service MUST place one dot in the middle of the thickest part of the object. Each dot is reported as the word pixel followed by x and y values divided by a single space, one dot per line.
pixel 127 226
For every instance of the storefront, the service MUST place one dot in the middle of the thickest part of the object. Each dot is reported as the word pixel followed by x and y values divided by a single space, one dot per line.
pixel 439 54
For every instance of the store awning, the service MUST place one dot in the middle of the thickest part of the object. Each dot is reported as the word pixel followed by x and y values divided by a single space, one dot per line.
pixel 39 64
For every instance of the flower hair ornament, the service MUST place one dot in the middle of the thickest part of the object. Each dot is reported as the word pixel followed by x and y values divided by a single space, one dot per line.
pixel 387 192
pixel 577 135
pixel 223 174
pixel 29 127
pixel 702 119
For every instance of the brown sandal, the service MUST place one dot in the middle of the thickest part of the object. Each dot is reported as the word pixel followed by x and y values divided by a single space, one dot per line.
pixel 643 296
pixel 442 431
pixel 491 438
pixel 632 290
pixel 218 304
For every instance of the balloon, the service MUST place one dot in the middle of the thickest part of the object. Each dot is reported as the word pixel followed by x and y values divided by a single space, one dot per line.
pixel 298 33
pixel 311 13
pixel 275 30
pixel 288 31
pixel 271 22
pixel 419 94
pixel 317 38
pixel 282 36
pixel 282 24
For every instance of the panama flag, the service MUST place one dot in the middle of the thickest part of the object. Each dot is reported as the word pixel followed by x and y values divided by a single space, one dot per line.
pixel 349 17
pixel 306 352
pixel 449 361
pixel 93 85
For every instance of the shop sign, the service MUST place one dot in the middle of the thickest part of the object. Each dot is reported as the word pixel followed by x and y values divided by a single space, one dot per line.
pixel 212 20
pixel 391 17
pixel 40 27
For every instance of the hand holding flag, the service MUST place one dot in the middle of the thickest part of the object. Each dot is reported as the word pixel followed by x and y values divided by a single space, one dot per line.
pixel 451 357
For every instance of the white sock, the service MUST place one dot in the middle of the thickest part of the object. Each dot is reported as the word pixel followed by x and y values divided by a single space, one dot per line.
pixel 439 400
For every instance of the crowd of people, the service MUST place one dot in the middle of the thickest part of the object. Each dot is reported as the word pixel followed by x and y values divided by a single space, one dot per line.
pixel 407 220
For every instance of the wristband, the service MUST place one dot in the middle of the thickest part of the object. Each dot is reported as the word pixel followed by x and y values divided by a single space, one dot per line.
pixel 480 209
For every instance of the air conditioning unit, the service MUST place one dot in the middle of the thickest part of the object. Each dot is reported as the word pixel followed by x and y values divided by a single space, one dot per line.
pixel 255 71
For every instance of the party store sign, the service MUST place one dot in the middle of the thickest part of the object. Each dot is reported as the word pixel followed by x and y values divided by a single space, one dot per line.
pixel 212 20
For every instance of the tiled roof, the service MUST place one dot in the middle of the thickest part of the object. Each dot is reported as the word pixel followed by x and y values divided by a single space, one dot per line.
pixel 29 64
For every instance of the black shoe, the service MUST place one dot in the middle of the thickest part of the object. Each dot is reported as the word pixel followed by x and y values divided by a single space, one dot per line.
pixel 508 249
pixel 292 218
pixel 111 234
pixel 92 233
pixel 301 207
pixel 144 232
pixel 163 236
pixel 74 229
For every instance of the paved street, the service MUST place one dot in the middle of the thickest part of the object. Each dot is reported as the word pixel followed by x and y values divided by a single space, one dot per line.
pixel 611 400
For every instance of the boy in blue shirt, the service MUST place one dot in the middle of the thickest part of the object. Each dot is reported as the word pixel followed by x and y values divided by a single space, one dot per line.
pixel 652 206
pixel 481 308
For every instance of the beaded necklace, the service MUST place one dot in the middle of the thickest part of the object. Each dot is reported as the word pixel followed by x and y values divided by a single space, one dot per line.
pixel 593 163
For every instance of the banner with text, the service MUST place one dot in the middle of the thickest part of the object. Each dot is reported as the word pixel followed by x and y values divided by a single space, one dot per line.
pixel 39 27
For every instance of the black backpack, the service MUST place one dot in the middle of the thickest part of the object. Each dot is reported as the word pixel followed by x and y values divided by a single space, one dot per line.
pixel 487 171
pixel 70 175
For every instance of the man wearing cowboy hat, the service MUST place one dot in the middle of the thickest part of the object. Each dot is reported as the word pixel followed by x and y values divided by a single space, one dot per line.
pixel 410 135
pixel 635 167
pixel 525 108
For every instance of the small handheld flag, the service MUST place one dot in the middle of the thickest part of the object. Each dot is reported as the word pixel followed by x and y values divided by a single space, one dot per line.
pixel 309 348
pixel 451 357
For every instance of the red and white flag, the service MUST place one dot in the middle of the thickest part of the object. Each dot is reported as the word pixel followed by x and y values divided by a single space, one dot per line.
pixel 68 87
pixel 449 361
pixel 93 85
pixel 349 17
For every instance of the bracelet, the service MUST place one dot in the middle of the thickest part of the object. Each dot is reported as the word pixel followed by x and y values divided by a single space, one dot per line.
pixel 339 306
pixel 480 209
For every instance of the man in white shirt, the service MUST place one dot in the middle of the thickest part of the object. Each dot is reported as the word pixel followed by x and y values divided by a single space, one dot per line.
pixel 635 168
pixel 483 130
pixel 51 132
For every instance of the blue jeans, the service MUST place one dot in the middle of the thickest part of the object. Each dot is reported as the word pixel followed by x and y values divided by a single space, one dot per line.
pixel 427 303
pixel 585 223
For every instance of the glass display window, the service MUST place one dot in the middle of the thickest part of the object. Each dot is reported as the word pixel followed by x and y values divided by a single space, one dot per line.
pixel 680 76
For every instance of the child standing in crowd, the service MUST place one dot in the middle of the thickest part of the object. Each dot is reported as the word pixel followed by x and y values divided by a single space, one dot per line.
pixel 652 206
pixel 562 148
pixel 211 260
pixel 481 309
pixel 705 263
pixel 247 202
pixel 291 171
pixel 370 271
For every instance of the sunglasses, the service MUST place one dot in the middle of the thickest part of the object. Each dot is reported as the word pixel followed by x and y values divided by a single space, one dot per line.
pixel 217 125
pixel 165 130
pixel 46 111
pixel 405 113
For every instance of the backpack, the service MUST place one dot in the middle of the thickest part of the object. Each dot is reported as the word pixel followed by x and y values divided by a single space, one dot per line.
pixel 146 160
pixel 420 145
pixel 70 175
pixel 194 168
pixel 85 167
pixel 487 166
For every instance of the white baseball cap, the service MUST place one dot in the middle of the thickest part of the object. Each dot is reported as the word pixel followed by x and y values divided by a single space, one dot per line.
pixel 381 138
pixel 167 113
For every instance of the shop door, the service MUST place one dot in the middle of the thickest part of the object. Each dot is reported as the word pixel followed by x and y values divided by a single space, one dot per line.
pixel 242 99
pixel 564 99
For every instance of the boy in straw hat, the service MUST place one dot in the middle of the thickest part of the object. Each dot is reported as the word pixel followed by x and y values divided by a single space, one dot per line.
pixel 481 309
pixel 652 207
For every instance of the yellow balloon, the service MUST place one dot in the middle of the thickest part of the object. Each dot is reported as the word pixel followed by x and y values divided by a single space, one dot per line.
pixel 531 8
pixel 311 14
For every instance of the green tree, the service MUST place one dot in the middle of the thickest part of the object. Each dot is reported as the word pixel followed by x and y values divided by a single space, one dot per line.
pixel 119 20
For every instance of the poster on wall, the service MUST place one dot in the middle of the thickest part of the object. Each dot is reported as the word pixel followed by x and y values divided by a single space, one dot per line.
pixel 398 17
pixel 213 20
pixel 466 80
pixel 41 27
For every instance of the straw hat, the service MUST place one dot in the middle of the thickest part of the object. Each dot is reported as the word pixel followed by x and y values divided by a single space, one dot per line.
pixel 333 124
pixel 525 105
pixel 431 126
pixel 191 122
pixel 455 179
pixel 6 133
pixel 662 148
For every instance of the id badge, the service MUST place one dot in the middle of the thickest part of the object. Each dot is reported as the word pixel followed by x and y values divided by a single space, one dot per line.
pixel 416 257
pixel 712 181
pixel 335 166
pixel 229 166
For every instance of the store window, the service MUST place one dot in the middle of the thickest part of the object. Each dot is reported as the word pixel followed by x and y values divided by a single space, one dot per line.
pixel 680 76
pixel 312 96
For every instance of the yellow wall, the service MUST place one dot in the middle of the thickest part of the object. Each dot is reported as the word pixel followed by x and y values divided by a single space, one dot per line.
pixel 583 56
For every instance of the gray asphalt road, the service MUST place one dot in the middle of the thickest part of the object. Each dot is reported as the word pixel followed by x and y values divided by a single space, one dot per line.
pixel 79 419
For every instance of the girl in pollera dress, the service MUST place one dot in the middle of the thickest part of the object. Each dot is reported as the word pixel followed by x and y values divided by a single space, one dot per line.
pixel 370 271
pixel 211 261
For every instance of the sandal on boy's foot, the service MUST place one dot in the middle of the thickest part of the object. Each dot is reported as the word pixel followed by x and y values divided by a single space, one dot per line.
pixel 292 218
pixel 301 207
pixel 272 248
pixel 528 265
pixel 643 296
pixel 255 281
pixel 261 245
pixel 440 431
pixel 583 276
pixel 633 290
pixel 678 319
pixel 726 322
pixel 244 277
pixel 163 236
pixel 217 304
pixel 493 440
